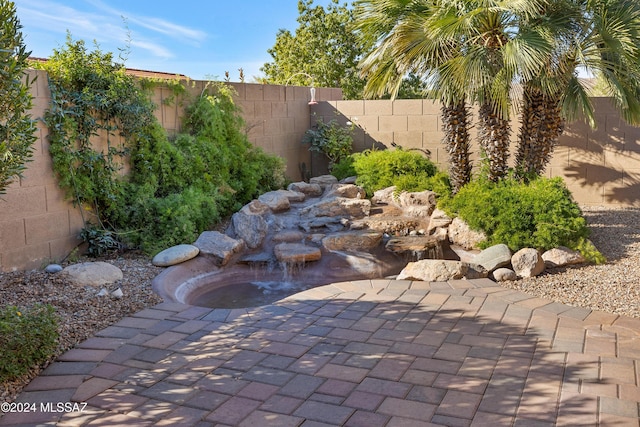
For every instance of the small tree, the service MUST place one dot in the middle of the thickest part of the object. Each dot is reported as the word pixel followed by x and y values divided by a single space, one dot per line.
pixel 17 130
pixel 323 47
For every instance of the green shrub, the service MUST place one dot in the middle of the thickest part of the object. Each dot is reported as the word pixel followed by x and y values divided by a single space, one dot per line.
pixel 377 169
pixel 28 337
pixel 331 139
pixel 344 168
pixel 100 241
pixel 177 187
pixel 540 214
pixel 17 129
pixel 188 183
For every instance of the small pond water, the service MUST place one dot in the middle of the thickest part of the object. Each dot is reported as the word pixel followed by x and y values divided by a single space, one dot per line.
pixel 249 294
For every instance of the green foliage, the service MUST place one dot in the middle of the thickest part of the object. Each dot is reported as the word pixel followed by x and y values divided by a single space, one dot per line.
pixel 377 169
pixel 344 168
pixel 540 214
pixel 330 139
pixel 17 130
pixel 188 183
pixel 176 188
pixel 323 46
pixel 28 337
pixel 92 96
pixel 100 241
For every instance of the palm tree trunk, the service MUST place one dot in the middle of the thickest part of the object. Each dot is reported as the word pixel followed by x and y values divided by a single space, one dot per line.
pixel 455 125
pixel 493 135
pixel 542 124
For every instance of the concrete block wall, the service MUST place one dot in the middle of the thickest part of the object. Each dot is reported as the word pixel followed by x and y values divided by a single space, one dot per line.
pixel 600 166
pixel 38 225
pixel 276 117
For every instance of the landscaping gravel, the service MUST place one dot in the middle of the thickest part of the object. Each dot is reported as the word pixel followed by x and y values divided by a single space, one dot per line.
pixel 80 312
pixel 613 287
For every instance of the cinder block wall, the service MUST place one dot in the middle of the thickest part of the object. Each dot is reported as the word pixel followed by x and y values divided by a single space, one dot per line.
pixel 600 166
pixel 276 117
pixel 37 224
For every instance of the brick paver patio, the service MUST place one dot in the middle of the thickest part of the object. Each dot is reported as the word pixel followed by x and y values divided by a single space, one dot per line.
pixel 365 353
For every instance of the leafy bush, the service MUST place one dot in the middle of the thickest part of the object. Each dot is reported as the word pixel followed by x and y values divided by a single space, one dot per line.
pixel 17 129
pixel 331 139
pixel 177 187
pixel 100 241
pixel 28 337
pixel 377 169
pixel 540 214
pixel 188 183
pixel 344 168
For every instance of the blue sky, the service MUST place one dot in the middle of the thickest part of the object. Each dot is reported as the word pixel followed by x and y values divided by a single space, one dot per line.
pixel 198 38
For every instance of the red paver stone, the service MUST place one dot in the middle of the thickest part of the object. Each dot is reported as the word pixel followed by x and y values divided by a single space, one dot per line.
pixel 407 408
pixel 324 412
pixel 233 410
pixel 269 419
pixel 367 419
pixel 459 404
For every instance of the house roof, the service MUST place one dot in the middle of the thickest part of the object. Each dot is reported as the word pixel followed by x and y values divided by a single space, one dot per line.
pixel 136 72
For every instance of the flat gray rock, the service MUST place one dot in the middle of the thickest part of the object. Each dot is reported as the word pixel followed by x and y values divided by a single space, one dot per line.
pixel 218 246
pixel 494 257
pixel 93 273
pixel 175 255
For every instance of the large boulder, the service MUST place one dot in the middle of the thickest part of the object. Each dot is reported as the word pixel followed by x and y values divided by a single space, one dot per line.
pixel 277 201
pixel 462 235
pixel 561 256
pixel 288 236
pixel 438 219
pixel 439 270
pixel 350 191
pixel 249 226
pixel 527 262
pixel 255 207
pixel 416 247
pixel 311 190
pixel 384 196
pixel 296 253
pixel 324 181
pixel 92 273
pixel 494 257
pixel 175 255
pixel 220 247
pixel 417 204
pixel 352 241
pixel 339 207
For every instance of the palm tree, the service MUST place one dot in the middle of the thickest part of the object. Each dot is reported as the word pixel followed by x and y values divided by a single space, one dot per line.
pixel 400 31
pixel 469 52
pixel 599 36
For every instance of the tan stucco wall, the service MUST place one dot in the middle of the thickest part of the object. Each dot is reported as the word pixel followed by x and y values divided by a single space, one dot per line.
pixel 600 166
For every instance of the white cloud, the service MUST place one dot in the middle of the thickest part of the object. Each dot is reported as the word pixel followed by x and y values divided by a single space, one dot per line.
pixel 153 48
pixel 106 25
pixel 154 24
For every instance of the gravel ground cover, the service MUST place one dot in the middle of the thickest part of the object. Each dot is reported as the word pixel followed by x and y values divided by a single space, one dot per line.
pixel 613 287
pixel 80 312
